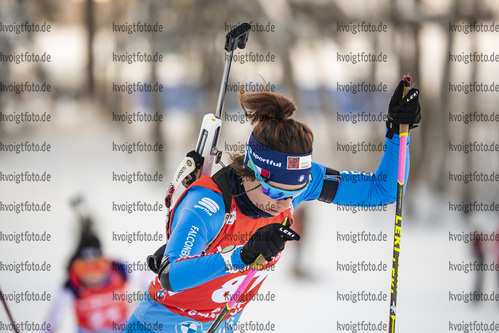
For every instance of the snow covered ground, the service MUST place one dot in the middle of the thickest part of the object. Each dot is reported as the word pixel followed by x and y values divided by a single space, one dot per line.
pixel 82 162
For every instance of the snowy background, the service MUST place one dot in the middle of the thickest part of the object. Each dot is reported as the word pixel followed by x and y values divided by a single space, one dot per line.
pixel 306 42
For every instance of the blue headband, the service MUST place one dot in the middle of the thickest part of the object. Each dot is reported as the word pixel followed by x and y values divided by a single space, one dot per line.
pixel 290 169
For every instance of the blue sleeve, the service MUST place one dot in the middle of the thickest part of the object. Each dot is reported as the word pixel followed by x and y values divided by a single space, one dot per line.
pixel 360 188
pixel 379 188
pixel 315 187
pixel 197 219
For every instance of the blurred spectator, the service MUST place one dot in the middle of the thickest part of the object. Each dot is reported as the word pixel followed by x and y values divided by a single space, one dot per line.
pixel 89 289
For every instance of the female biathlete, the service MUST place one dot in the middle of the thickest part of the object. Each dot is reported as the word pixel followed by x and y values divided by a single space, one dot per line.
pixel 221 224
pixel 92 281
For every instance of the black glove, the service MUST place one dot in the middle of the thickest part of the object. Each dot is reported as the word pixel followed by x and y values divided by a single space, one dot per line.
pixel 154 260
pixel 403 110
pixel 267 241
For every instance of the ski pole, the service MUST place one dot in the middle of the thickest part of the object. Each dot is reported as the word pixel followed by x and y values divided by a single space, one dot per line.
pixel 4 302
pixel 260 260
pixel 403 133
pixel 239 291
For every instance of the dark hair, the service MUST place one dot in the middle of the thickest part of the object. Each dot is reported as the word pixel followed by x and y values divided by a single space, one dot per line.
pixel 270 114
pixel 89 245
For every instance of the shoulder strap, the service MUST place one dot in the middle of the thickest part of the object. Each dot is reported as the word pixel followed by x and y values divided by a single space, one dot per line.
pixel 220 178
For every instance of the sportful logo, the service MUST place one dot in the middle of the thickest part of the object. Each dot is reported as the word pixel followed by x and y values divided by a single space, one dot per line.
pixel 266 160
pixel 208 205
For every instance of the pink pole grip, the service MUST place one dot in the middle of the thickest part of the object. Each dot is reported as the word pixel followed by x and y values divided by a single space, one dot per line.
pixel 242 286
pixel 402 150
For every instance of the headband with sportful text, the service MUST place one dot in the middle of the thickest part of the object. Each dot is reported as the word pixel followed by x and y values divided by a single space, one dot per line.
pixel 290 169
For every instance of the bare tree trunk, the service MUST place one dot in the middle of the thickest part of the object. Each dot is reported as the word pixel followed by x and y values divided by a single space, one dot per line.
pixel 89 22
pixel 157 105
pixel 468 193
pixel 438 128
